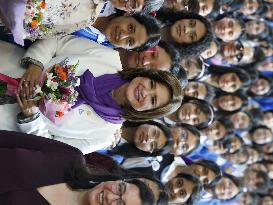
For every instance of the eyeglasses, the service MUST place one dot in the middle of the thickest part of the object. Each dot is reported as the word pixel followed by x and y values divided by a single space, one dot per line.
pixel 239 51
pixel 121 189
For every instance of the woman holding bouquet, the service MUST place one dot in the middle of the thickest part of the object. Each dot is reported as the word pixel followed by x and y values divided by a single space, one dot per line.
pixel 43 19
pixel 134 94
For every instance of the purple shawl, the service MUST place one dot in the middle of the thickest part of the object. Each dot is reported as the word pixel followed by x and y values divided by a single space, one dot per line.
pixel 96 92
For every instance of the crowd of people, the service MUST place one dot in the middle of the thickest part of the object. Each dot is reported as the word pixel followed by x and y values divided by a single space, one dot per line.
pixel 174 102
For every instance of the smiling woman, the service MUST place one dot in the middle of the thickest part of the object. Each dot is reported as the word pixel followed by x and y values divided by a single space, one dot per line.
pixel 72 183
pixel 190 33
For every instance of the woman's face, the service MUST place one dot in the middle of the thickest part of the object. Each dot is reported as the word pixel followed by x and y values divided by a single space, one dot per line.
pixel 187 31
pixel 192 67
pixel 130 6
pixel 262 136
pixel 114 192
pixel 234 52
pixel 225 189
pixel 149 138
pixel 246 199
pixel 237 158
pixel 268 119
pixel 254 27
pixel 215 131
pixel 211 51
pixel 240 120
pixel 260 87
pixel 253 155
pixel 229 82
pixel 249 7
pixel 191 114
pixel 205 175
pixel 229 102
pixel 235 144
pixel 196 89
pixel 206 7
pixel 176 5
pixel 158 59
pixel 146 94
pixel 179 190
pixel 125 32
pixel 184 141
pixel 227 29
pixel 267 200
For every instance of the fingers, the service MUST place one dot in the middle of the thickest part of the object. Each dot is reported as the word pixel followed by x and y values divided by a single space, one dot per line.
pixel 20 103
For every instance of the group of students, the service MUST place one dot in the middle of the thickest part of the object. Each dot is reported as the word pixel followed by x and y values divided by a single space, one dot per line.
pixel 175 102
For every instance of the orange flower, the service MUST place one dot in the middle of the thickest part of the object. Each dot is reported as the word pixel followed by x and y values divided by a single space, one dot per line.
pixel 34 23
pixel 63 76
pixel 59 114
pixel 43 5
pixel 41 14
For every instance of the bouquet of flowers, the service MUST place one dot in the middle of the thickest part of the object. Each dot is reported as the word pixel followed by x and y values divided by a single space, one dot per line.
pixel 34 15
pixel 57 94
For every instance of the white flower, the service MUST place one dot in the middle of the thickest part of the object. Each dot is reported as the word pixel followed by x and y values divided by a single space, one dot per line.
pixel 38 89
pixel 78 82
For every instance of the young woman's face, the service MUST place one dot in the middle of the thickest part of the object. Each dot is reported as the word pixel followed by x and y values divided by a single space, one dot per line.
pixel 196 89
pixel 229 82
pixel 114 192
pixel 229 102
pixel 240 120
pixel 225 189
pixel 146 94
pixel 235 144
pixel 205 175
pixel 191 114
pixel 234 52
pixel 254 27
pixel 187 31
pixel 149 138
pixel 260 87
pixel 176 5
pixel 206 7
pixel 246 199
pixel 267 200
pixel 215 131
pixel 157 59
pixel 179 190
pixel 249 7
pixel 227 29
pixel 184 141
pixel 237 158
pixel 192 67
pixel 262 136
pixel 125 32
pixel 253 155
pixel 130 6
pixel 211 51
pixel 268 119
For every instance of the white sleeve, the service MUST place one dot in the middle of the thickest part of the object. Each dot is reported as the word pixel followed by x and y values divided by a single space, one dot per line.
pixel 35 127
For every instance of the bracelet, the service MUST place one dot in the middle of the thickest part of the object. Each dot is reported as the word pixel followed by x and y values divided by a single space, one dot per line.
pixel 21 118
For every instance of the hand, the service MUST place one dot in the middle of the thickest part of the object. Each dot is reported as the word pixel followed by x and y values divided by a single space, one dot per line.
pixel 29 81
pixel 28 107
pixel 117 136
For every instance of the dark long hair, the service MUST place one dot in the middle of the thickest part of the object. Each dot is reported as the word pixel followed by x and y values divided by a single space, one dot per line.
pixel 153 32
pixel 164 77
pixel 130 150
pixel 192 49
pixel 219 70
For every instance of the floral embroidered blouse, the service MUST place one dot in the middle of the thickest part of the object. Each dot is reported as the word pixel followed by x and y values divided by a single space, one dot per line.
pixel 59 17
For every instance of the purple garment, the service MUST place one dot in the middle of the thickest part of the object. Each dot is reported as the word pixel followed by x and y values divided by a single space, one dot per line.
pixel 13 12
pixel 96 92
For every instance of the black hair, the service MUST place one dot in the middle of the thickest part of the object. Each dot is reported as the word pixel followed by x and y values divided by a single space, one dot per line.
pixel 194 131
pixel 213 167
pixel 210 91
pixel 227 143
pixel 193 6
pixel 233 5
pixel 256 115
pixel 202 69
pixel 153 32
pixel 242 74
pixel 193 49
pixel 261 187
pixel 259 127
pixel 243 151
pixel 239 94
pixel 215 10
pixel 205 107
pixel 249 115
pixel 197 190
pixel 227 124
pixel 270 82
pixel 129 150
pixel 237 183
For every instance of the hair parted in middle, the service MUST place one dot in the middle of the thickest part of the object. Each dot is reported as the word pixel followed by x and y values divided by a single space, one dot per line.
pixel 163 77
